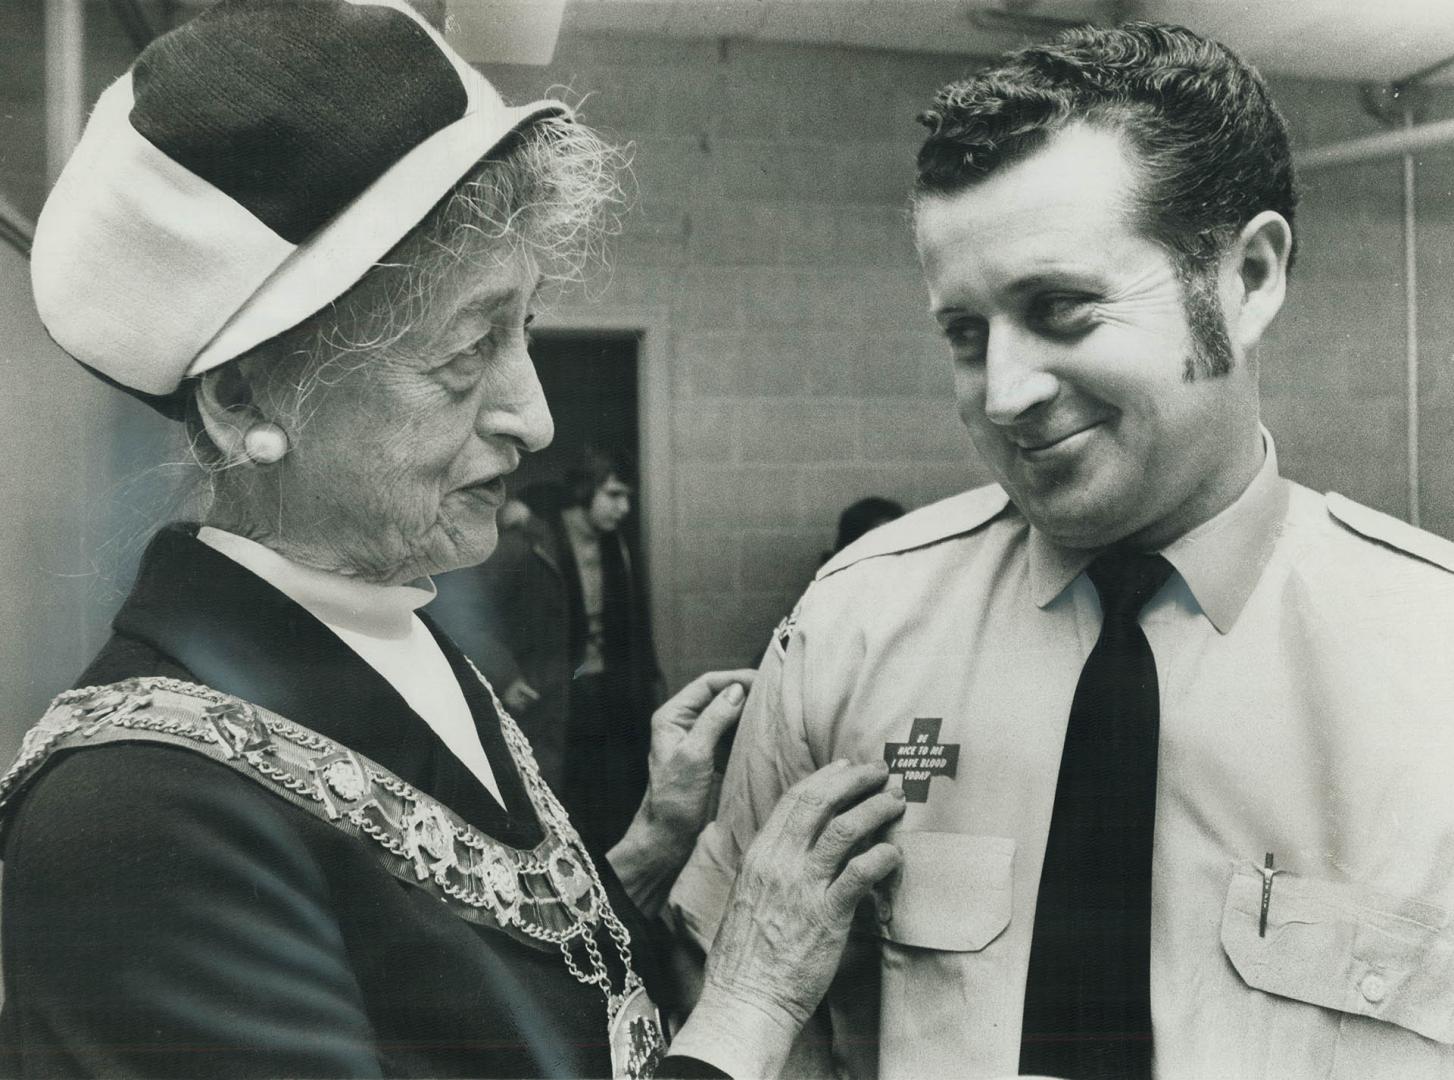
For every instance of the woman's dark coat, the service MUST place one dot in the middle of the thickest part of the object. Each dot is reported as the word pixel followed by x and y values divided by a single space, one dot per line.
pixel 165 916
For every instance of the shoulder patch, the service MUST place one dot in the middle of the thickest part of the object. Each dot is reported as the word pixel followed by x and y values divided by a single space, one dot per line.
pixel 1390 531
pixel 783 635
pixel 954 516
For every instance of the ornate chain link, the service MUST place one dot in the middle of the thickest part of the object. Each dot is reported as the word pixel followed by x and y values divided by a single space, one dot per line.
pixel 541 794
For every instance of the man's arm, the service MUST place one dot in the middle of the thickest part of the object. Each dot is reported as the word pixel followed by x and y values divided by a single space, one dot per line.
pixel 769 755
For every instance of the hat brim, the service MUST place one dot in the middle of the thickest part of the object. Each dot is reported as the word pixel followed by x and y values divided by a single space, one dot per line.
pixel 332 261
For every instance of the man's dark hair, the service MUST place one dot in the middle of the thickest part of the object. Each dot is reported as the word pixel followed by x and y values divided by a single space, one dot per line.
pixel 1211 145
pixel 594 467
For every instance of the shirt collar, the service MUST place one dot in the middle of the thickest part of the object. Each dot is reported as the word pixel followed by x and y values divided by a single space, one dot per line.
pixel 1221 560
pixel 379 611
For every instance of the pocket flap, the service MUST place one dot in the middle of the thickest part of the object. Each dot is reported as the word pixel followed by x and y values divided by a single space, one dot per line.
pixel 1341 946
pixel 953 893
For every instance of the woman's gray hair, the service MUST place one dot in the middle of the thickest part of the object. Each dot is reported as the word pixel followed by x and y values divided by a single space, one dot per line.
pixel 551 191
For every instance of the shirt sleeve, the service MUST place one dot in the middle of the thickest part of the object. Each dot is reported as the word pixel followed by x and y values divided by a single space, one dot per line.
pixel 164 918
pixel 769 755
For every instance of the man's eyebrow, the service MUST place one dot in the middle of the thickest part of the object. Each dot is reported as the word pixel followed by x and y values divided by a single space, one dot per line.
pixel 1054 278
pixel 1038 281
pixel 1057 277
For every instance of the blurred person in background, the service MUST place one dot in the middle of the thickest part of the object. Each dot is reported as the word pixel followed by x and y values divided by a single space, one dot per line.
pixel 558 618
pixel 280 827
pixel 863 516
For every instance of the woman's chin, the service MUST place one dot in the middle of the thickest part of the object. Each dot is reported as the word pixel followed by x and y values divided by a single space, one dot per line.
pixel 469 544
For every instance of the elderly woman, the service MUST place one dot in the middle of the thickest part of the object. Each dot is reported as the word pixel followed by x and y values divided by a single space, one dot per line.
pixel 282 827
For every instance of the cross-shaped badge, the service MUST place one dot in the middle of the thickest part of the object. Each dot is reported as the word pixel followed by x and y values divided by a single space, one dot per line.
pixel 922 758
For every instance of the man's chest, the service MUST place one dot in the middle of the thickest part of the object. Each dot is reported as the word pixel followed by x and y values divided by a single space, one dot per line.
pixel 1299 741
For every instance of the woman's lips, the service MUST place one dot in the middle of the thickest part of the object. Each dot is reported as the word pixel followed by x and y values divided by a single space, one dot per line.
pixel 490 491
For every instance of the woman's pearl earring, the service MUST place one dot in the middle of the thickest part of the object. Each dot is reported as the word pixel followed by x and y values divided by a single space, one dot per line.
pixel 265 443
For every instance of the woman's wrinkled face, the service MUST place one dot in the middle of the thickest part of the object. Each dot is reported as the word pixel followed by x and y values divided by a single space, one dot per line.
pixel 397 468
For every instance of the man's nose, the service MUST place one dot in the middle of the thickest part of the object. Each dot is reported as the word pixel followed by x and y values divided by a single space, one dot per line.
pixel 1017 378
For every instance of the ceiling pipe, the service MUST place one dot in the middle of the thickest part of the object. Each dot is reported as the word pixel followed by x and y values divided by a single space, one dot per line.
pixel 1411 321
pixel 1390 144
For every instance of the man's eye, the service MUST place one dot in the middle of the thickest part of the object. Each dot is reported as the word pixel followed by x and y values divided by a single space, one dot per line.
pixel 967 338
pixel 1064 313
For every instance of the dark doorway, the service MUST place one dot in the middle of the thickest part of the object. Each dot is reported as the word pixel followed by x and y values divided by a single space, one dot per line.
pixel 589 380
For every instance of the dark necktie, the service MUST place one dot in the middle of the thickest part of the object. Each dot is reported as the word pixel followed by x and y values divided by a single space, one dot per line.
pixel 1087 1001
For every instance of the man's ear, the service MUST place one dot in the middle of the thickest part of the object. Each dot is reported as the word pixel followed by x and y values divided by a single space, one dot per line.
pixel 225 404
pixel 1255 277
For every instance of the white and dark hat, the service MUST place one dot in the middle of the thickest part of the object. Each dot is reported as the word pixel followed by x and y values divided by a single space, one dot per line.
pixel 247 171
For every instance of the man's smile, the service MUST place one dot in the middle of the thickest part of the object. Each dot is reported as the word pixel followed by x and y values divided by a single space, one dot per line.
pixel 1042 445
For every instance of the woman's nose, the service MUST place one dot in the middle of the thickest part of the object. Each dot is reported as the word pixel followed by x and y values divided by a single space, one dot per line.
pixel 519 412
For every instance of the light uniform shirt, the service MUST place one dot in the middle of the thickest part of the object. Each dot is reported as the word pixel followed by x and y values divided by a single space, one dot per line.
pixel 1305 655
pixel 378 623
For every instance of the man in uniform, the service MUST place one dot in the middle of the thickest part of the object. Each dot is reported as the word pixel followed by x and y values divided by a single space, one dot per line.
pixel 1177 734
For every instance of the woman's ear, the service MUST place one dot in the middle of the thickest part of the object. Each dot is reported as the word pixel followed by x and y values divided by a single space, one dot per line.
pixel 224 402
pixel 1258 268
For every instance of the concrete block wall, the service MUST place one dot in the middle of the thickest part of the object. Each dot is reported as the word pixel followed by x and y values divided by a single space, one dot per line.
pixel 1334 382
pixel 804 370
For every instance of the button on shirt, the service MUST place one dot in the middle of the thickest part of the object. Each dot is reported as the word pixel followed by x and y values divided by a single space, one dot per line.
pixel 1303 650
pixel 378 623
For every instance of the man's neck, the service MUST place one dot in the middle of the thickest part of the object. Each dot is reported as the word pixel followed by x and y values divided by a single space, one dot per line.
pixel 1220 492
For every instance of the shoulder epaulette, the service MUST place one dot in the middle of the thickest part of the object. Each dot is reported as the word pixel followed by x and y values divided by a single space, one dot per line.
pixel 954 516
pixel 1390 531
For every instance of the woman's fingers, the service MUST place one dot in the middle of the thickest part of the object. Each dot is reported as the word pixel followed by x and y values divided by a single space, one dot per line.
pixel 848 831
pixel 683 708
pixel 860 874
pixel 715 720
pixel 809 804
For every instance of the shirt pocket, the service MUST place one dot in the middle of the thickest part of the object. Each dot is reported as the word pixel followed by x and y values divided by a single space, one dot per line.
pixel 942 978
pixel 955 892
pixel 1380 965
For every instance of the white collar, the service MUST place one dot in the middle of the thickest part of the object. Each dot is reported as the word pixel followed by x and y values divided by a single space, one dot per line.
pixel 379 611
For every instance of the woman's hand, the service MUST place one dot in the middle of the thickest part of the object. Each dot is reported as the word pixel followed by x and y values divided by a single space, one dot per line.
pixel 787 917
pixel 684 734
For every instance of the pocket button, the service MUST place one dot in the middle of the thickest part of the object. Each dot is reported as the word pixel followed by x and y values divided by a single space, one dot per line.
pixel 1373 987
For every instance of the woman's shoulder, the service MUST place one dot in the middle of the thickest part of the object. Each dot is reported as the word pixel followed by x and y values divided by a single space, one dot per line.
pixel 127 657
pixel 153 890
pixel 129 813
